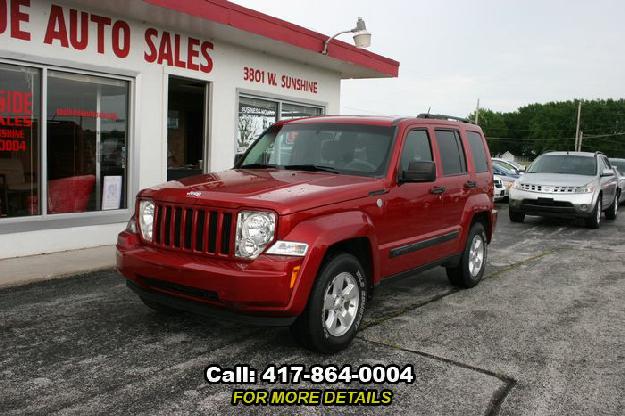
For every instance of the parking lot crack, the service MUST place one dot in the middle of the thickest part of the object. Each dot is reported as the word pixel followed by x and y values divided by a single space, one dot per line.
pixel 498 397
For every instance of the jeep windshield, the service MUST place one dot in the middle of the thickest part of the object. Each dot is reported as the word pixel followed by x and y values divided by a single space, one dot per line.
pixel 566 164
pixel 351 149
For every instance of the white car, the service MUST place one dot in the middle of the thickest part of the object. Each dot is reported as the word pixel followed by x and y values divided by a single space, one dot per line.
pixel 568 185
pixel 513 166
pixel 501 191
pixel 619 165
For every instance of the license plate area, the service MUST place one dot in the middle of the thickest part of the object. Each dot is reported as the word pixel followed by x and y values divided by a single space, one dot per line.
pixel 545 201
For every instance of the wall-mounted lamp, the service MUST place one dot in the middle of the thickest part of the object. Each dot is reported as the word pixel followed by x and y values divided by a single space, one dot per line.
pixel 362 38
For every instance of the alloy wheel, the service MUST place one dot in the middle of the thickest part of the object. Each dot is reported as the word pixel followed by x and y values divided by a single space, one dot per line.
pixel 340 305
pixel 476 255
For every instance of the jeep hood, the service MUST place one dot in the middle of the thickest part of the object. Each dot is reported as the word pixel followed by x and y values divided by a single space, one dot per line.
pixel 556 179
pixel 284 191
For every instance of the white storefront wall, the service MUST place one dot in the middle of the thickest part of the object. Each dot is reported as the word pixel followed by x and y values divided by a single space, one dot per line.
pixel 147 158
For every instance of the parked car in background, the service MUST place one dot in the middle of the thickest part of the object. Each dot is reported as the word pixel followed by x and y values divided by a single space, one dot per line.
pixel 500 192
pixel 512 166
pixel 619 165
pixel 567 184
pixel 302 237
pixel 507 178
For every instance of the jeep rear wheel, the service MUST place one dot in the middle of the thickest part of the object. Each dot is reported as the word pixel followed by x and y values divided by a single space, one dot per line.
pixel 335 307
pixel 471 267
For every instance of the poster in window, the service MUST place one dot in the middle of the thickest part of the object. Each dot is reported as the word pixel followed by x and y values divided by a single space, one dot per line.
pixel 111 192
pixel 173 119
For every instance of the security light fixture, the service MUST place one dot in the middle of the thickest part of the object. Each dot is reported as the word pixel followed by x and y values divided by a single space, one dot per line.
pixel 362 38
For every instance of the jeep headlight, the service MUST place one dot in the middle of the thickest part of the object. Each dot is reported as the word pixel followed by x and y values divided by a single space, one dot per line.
pixel 254 231
pixel 146 219
pixel 517 185
pixel 586 189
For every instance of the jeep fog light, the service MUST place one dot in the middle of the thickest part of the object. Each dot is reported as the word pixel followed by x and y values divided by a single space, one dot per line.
pixel 254 231
pixel 146 219
pixel 288 248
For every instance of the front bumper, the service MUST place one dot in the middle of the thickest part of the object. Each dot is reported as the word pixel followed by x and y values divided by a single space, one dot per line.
pixel 552 204
pixel 500 193
pixel 260 291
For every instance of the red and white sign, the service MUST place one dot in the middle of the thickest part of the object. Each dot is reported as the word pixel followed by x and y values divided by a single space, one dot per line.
pixel 71 29
pixel 16 110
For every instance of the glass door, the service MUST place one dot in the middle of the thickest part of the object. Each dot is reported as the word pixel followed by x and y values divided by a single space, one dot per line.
pixel 186 127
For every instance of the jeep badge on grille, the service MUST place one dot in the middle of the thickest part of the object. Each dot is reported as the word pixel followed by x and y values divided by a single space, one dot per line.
pixel 194 193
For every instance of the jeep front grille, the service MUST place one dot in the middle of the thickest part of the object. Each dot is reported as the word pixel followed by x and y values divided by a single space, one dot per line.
pixel 193 229
pixel 547 189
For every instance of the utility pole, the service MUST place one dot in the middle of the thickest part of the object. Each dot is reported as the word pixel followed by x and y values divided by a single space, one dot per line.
pixel 477 111
pixel 579 115
pixel 581 138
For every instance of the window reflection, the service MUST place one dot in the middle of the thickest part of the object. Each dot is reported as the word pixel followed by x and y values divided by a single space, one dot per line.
pixel 255 116
pixel 87 142
pixel 19 140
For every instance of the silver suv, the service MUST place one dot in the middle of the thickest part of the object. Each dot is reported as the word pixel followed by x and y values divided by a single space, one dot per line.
pixel 569 185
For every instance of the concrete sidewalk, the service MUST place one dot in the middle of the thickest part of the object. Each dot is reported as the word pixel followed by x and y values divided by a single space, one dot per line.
pixel 21 270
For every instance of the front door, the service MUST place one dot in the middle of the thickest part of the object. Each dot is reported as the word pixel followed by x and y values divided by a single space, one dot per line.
pixel 412 213
pixel 186 127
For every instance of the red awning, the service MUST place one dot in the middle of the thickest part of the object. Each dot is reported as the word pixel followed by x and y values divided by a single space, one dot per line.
pixel 225 13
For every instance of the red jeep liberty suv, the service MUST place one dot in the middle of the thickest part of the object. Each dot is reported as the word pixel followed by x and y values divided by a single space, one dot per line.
pixel 314 215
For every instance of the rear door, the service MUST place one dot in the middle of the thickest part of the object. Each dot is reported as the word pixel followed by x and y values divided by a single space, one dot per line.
pixel 481 179
pixel 455 182
pixel 608 183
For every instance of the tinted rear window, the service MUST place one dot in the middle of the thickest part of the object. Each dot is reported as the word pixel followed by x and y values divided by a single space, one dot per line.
pixel 452 154
pixel 477 149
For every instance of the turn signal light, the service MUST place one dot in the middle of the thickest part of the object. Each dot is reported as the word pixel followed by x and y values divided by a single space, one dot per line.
pixel 294 274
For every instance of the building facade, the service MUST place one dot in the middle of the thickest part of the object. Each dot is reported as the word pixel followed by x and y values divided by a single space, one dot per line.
pixel 101 99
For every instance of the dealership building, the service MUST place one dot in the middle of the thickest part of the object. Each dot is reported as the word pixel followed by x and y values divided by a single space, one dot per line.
pixel 99 99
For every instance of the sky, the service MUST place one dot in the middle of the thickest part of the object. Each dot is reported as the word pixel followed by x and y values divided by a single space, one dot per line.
pixel 507 53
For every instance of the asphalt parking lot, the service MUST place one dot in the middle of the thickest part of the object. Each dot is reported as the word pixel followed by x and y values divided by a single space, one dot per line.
pixel 544 334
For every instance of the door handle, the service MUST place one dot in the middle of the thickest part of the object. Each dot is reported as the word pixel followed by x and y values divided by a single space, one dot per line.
pixel 470 184
pixel 437 190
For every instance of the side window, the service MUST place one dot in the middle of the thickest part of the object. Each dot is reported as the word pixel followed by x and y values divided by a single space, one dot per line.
pixel 451 151
pixel 416 148
pixel 603 164
pixel 477 149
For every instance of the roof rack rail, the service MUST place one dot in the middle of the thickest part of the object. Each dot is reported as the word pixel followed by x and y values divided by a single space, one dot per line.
pixel 444 117
pixel 599 153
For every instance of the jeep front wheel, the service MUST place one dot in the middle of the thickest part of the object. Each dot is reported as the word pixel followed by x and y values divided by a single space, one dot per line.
pixel 335 307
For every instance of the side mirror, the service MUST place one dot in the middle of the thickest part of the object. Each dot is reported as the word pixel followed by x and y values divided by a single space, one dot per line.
pixel 419 172
pixel 607 172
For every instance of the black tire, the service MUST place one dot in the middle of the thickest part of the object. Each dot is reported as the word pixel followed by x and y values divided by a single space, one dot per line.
pixel 516 216
pixel 594 221
pixel 461 275
pixel 160 308
pixel 309 328
pixel 612 211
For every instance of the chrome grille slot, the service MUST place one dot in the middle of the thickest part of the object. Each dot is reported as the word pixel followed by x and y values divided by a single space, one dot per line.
pixel 193 229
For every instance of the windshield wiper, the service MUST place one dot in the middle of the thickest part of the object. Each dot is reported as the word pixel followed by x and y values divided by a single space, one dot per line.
pixel 256 166
pixel 312 168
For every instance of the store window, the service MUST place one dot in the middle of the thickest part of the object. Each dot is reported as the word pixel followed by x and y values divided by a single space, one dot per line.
pixel 290 111
pixel 19 140
pixel 87 143
pixel 257 114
